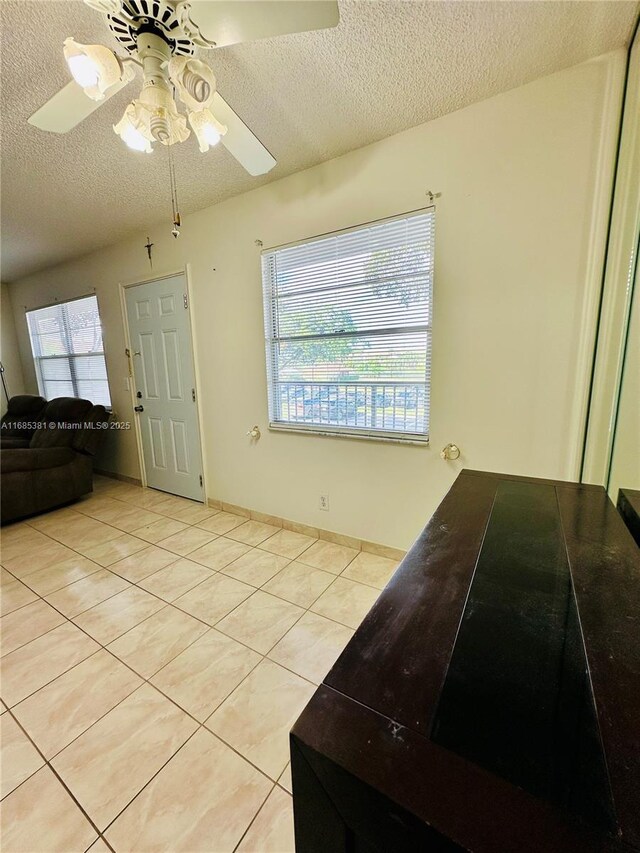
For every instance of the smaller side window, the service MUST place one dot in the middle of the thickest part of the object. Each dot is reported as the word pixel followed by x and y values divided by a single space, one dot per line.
pixel 66 341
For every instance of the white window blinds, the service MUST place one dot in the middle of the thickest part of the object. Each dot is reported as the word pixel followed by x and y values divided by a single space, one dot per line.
pixel 348 330
pixel 66 341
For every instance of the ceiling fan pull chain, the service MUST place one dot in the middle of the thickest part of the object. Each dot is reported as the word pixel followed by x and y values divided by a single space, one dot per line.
pixel 174 195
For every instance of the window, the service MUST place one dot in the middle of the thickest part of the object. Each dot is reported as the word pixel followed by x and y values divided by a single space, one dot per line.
pixel 348 330
pixel 66 340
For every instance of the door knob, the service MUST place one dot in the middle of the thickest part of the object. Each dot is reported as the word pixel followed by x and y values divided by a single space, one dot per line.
pixel 138 408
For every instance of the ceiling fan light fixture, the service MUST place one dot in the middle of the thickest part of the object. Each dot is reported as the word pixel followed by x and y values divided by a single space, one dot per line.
pixel 130 133
pixel 95 68
pixel 207 128
pixel 157 118
pixel 195 82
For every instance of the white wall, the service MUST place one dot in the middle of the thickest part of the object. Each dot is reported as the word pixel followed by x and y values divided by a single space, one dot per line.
pixel 525 179
pixel 9 355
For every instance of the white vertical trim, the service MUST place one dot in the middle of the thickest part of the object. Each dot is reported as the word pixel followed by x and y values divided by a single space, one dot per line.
pixel 197 380
pixel 616 293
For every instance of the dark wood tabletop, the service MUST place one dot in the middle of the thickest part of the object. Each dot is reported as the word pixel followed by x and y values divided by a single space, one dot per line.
pixel 490 701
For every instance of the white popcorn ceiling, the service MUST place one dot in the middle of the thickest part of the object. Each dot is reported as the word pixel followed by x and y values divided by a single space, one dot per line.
pixel 308 97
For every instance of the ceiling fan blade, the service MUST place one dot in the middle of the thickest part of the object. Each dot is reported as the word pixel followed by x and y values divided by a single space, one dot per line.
pixel 70 106
pixel 230 22
pixel 240 141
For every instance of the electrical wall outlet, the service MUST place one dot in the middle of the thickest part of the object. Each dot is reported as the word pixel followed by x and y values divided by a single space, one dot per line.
pixel 324 502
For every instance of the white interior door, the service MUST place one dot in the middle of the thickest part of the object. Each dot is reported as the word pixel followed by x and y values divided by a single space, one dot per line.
pixel 160 335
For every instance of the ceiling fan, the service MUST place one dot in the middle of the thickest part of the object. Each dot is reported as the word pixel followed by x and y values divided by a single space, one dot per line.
pixel 160 37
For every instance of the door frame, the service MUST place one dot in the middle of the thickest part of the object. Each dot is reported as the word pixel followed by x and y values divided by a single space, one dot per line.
pixel 123 288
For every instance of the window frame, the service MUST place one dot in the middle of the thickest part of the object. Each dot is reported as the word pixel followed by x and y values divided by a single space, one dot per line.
pixel 69 356
pixel 272 337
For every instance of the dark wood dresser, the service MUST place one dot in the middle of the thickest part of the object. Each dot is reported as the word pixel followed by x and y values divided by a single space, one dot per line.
pixel 490 701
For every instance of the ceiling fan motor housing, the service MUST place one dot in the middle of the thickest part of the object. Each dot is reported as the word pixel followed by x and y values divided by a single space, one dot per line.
pixel 157 17
pixel 165 123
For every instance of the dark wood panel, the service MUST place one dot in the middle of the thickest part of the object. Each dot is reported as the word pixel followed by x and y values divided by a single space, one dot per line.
pixel 517 698
pixel 629 509
pixel 605 567
pixel 398 659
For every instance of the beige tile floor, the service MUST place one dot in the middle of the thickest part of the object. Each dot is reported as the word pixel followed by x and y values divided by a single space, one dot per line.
pixel 155 654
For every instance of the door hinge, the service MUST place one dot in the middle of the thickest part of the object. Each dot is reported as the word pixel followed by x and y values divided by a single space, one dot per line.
pixel 193 394
pixel 200 480
pixel 185 300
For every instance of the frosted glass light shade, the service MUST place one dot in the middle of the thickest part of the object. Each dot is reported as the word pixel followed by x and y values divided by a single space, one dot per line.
pixel 207 128
pixel 92 66
pixel 194 81
pixel 128 129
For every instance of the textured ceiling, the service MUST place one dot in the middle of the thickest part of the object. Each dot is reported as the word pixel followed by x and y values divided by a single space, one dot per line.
pixel 308 97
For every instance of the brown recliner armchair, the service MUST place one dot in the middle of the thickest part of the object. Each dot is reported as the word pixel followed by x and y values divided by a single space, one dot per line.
pixel 19 422
pixel 56 465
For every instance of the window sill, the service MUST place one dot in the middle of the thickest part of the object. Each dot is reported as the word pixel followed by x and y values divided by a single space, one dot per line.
pixel 341 432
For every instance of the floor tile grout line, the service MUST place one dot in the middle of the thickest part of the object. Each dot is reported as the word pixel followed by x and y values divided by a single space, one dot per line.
pixel 120 532
pixel 149 683
pixel 169 496
pixel 173 604
pixel 98 544
pixel 95 493
pixel 253 819
pixel 208 627
pixel 357 554
pixel 34 745
pixel 132 507
pixel 153 574
pixel 54 566
pixel 97 604
pixel 217 571
pixel 44 633
pixel 297 557
pixel 307 610
pixel 86 610
pixel 48 764
pixel 106 843
pixel 144 680
pixel 165 604
pixel 257 547
pixel 199 725
pixel 173 755
pixel 126 631
pixel 102 716
pixel 158 543
pixel 64 672
pixel 100 567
